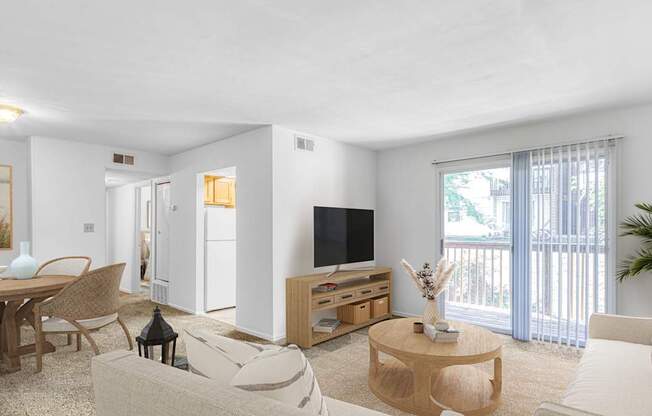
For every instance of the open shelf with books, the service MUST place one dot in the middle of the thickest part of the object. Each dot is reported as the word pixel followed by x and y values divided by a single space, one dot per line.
pixel 344 328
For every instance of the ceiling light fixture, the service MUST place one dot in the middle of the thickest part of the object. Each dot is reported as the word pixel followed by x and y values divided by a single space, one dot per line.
pixel 9 114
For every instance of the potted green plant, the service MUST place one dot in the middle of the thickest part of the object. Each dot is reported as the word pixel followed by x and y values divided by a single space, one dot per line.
pixel 639 225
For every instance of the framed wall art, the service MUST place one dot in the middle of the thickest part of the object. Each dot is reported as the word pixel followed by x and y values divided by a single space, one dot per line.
pixel 6 214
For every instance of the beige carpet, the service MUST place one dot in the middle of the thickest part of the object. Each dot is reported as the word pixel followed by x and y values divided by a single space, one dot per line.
pixel 531 372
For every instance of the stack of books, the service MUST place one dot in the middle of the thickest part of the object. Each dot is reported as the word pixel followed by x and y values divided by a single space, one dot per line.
pixel 326 287
pixel 441 333
pixel 327 325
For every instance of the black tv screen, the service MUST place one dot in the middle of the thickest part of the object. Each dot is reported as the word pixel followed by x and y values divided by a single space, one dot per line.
pixel 343 235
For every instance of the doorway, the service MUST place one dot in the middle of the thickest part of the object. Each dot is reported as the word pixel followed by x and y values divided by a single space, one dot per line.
pixel 160 240
pixel 217 214
pixel 144 235
pixel 475 227
pixel 128 219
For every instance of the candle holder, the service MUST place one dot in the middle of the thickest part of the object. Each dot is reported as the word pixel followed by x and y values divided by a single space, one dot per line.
pixel 158 333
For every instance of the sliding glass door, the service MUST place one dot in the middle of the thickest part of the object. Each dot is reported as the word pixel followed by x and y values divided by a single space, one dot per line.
pixel 531 235
pixel 476 235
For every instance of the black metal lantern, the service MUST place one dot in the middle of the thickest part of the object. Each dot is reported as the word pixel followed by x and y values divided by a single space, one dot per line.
pixel 157 332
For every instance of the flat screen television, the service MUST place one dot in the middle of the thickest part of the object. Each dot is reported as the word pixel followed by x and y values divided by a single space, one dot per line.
pixel 343 235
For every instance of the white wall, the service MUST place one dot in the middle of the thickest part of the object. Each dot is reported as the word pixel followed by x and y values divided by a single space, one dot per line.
pixel 121 228
pixel 251 154
pixel 13 152
pixel 270 247
pixel 68 190
pixel 407 188
pixel 335 174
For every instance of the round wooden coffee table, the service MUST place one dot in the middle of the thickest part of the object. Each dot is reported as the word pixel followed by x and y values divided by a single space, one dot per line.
pixel 425 378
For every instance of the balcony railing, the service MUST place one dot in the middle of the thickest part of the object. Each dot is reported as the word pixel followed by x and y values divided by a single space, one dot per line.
pixel 499 188
pixel 482 275
pixel 479 291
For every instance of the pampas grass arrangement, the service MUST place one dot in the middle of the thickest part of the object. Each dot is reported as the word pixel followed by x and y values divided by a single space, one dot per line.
pixel 431 284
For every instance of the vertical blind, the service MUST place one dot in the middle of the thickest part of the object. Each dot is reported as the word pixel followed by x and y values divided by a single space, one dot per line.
pixel 521 315
pixel 569 232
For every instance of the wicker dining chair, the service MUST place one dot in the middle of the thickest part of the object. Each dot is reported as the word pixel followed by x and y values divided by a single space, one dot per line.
pixel 67 266
pixel 85 305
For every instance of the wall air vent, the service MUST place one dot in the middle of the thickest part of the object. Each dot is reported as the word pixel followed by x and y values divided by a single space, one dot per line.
pixel 159 292
pixel 304 144
pixel 123 159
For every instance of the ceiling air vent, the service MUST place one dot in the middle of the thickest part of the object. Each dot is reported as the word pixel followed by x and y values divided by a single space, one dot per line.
pixel 123 159
pixel 304 144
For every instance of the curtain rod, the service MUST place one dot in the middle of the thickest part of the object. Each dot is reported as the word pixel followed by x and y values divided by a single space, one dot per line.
pixel 509 152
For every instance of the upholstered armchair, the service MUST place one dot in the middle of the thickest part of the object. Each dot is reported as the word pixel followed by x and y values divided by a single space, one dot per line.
pixel 85 305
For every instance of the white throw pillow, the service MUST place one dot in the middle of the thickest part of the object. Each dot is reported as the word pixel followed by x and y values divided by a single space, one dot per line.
pixel 284 375
pixel 216 357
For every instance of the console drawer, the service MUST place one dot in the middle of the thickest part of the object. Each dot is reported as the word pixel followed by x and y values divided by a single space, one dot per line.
pixel 381 288
pixel 367 291
pixel 345 297
pixel 321 302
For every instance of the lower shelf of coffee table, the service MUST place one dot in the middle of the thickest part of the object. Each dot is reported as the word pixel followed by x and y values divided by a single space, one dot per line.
pixel 464 388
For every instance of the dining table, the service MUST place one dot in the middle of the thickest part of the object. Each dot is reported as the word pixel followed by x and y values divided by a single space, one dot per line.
pixel 17 300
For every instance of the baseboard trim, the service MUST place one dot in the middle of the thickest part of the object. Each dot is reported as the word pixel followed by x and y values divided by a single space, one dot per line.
pixel 405 314
pixel 280 339
pixel 258 334
pixel 182 309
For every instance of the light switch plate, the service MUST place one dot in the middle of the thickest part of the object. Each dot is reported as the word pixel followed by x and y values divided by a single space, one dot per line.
pixel 89 228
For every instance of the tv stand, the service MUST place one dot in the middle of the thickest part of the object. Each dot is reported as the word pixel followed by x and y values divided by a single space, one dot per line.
pixel 301 300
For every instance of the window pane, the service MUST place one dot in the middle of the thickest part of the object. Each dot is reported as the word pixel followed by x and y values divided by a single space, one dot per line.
pixel 477 220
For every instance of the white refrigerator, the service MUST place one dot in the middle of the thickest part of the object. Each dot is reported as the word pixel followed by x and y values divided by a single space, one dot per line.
pixel 220 257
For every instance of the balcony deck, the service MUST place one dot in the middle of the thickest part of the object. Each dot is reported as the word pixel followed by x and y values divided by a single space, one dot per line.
pixel 498 320
pixel 495 319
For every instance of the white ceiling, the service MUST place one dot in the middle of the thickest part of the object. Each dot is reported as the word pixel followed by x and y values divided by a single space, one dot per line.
pixel 167 75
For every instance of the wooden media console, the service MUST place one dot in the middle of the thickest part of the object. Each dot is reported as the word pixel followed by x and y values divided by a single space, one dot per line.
pixel 302 299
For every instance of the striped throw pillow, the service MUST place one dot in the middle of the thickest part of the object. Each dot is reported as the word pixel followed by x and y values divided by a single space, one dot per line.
pixel 284 375
pixel 216 357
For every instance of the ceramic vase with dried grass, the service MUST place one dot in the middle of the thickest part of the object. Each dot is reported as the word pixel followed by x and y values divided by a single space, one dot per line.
pixel 431 312
pixel 431 284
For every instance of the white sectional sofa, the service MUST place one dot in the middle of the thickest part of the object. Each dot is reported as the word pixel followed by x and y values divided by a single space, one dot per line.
pixel 127 385
pixel 614 377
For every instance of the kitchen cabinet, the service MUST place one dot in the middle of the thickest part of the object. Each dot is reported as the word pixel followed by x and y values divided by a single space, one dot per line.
pixel 219 190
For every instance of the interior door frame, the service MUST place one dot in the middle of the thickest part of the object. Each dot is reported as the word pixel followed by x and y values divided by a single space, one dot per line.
pixel 154 183
pixel 466 165
pixel 135 275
